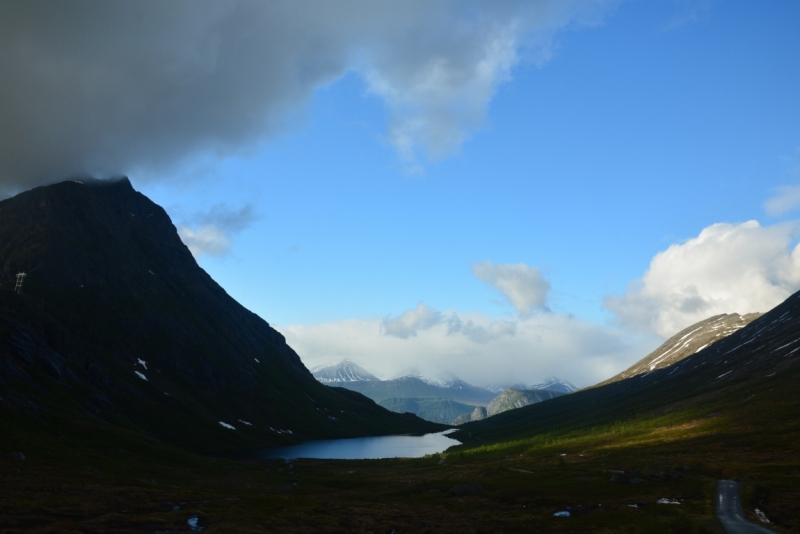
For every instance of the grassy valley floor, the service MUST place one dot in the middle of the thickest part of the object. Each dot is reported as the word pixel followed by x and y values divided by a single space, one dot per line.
pixel 86 477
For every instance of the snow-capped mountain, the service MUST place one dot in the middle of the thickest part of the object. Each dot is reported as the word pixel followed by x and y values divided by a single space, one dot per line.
pixel 551 383
pixel 689 341
pixel 342 372
pixel 414 387
pixel 352 376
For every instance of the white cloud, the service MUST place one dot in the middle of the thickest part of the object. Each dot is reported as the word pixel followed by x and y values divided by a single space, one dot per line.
pixel 208 240
pixel 411 321
pixel 437 103
pixel 123 87
pixel 524 286
pixel 483 351
pixel 786 199
pixel 480 333
pixel 423 317
pixel 727 268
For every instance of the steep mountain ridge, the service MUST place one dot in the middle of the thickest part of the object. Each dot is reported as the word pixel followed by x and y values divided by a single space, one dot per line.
pixel 766 347
pixel 513 398
pixel 116 318
pixel 478 414
pixel 509 399
pixel 688 341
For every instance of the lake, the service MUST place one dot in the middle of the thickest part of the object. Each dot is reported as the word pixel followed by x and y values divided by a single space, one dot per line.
pixel 370 448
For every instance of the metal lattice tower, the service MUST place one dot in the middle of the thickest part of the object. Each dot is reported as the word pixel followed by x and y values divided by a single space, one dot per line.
pixel 20 278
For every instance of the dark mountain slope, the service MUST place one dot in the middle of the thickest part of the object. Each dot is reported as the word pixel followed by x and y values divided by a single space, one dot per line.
pixel 116 317
pixel 765 350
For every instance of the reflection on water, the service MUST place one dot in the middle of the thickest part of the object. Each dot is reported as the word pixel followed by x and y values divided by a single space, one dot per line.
pixel 366 448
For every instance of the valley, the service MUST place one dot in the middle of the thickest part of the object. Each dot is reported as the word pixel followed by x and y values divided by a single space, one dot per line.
pixel 116 419
pixel 746 431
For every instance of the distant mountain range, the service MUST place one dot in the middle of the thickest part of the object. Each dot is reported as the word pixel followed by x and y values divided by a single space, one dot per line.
pixel 457 402
pixel 438 401
pixel 443 411
pixel 407 387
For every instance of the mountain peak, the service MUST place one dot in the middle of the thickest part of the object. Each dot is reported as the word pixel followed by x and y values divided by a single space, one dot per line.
pixel 118 314
pixel 553 383
pixel 342 372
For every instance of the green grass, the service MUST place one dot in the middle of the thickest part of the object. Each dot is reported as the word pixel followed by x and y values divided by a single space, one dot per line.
pixel 74 478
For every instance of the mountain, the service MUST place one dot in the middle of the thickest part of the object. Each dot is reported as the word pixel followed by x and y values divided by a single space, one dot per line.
pixel 758 360
pixel 115 321
pixel 438 401
pixel 431 409
pixel 477 414
pixel 344 371
pixel 514 398
pixel 412 387
pixel 551 383
pixel 687 342
pixel 729 411
pixel 508 400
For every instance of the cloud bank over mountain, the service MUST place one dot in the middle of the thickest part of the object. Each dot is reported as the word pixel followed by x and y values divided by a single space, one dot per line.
pixel 149 84
pixel 487 351
pixel 727 268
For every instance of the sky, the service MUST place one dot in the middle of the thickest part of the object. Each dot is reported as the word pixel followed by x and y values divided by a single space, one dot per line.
pixel 499 191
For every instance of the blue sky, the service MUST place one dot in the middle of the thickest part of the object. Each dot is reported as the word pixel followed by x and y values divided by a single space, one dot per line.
pixel 605 135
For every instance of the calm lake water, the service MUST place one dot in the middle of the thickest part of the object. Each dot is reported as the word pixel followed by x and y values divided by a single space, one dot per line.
pixel 365 448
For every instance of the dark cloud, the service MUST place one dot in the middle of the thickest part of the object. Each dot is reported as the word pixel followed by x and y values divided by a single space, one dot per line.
pixel 118 87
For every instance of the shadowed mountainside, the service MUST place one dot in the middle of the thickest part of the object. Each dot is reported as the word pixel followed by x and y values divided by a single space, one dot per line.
pixel 762 349
pixel 117 320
